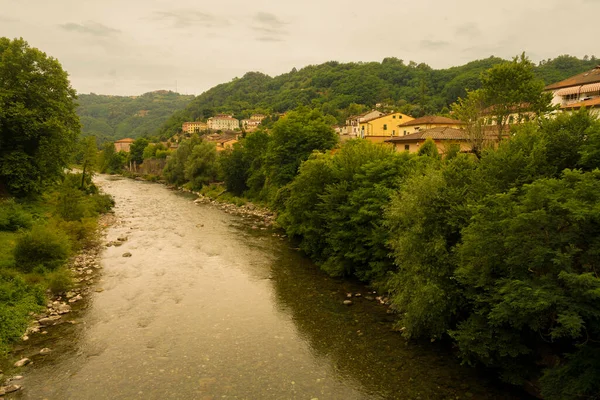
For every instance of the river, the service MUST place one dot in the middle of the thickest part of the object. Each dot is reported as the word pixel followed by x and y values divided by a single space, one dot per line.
pixel 208 308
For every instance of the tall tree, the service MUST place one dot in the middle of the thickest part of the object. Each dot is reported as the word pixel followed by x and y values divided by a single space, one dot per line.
pixel 38 124
pixel 510 89
pixel 90 158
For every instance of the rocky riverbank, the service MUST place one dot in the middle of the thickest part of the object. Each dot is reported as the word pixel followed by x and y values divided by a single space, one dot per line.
pixel 62 308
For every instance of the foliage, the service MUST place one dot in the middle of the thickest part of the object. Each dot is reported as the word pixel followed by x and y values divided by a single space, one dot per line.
pixel 42 247
pixel 38 124
pixel 293 138
pixel 114 117
pixel 201 166
pixel 13 217
pixel 344 89
pixel 137 149
pixel 111 161
pixel 429 149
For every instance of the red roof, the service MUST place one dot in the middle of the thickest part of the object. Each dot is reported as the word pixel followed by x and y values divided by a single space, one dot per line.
pixel 444 133
pixel 432 119
pixel 592 76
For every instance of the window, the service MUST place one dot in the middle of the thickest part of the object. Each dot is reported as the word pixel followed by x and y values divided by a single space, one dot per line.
pixel 385 127
pixel 406 147
pixel 405 132
pixel 394 116
pixel 393 132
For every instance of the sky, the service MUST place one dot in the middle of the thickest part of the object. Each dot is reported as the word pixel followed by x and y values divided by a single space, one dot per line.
pixel 130 47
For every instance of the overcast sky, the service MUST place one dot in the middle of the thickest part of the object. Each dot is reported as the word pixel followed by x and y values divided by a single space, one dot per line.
pixel 131 47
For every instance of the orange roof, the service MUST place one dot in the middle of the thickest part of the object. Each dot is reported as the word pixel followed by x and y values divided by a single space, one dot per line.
pixel 580 79
pixel 442 133
pixel 126 140
pixel 432 119
pixel 595 102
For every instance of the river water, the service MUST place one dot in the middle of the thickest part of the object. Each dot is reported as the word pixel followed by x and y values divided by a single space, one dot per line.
pixel 207 308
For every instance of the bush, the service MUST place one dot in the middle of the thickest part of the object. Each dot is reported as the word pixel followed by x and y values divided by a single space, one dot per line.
pixel 41 247
pixel 60 281
pixel 102 203
pixel 13 217
pixel 83 234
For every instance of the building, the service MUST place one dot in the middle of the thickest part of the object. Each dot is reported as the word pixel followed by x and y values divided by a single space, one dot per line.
pixel 382 127
pixel 428 122
pixel 352 127
pixel 257 117
pixel 223 122
pixel 123 144
pixel 582 90
pixel 222 141
pixel 194 127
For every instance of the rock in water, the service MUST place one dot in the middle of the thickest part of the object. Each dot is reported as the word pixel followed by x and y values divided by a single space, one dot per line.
pixel 45 351
pixel 347 302
pixel 22 362
pixel 128 254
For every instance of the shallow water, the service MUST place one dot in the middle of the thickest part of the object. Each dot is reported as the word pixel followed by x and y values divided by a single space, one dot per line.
pixel 208 308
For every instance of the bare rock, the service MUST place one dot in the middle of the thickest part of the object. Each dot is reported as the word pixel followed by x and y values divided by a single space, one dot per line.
pixel 76 298
pixel 348 302
pixel 22 362
pixel 45 351
pixel 63 308
pixel 10 389
pixel 122 238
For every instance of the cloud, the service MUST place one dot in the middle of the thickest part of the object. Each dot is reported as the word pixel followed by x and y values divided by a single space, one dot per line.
pixel 433 44
pixel 185 18
pixel 90 28
pixel 468 29
pixel 268 27
pixel 7 19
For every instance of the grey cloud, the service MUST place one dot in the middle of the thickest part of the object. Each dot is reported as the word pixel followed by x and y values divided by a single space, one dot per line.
pixel 468 29
pixel 433 44
pixel 90 28
pixel 184 18
pixel 7 19
pixel 268 27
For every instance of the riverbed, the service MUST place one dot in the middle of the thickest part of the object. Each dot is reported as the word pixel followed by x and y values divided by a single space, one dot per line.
pixel 208 307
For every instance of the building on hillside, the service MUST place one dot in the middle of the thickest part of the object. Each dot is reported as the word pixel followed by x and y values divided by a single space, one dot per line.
pixel 223 141
pixel 123 144
pixel 194 127
pixel 443 137
pixel 257 117
pixel 582 90
pixel 352 127
pixel 223 122
pixel 428 122
pixel 380 128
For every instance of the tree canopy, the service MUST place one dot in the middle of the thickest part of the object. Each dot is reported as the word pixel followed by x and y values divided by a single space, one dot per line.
pixel 38 123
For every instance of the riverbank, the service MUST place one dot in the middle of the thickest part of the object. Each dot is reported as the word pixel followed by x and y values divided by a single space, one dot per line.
pixel 61 310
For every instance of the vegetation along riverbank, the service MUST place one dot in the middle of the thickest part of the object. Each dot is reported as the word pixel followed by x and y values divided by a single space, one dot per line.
pixel 492 250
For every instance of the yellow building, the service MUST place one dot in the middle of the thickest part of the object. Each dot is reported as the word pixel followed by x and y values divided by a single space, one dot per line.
pixel 379 128
pixel 428 122
pixel 194 127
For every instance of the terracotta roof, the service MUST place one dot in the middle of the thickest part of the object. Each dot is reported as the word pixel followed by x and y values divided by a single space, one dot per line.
pixel 580 79
pixel 595 102
pixel 126 140
pixel 440 133
pixel 383 116
pixel 432 119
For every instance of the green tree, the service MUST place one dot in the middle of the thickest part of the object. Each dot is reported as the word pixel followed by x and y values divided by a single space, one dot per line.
pixel 89 159
pixel 201 167
pixel 512 88
pixel 136 150
pixel 38 123
pixel 293 138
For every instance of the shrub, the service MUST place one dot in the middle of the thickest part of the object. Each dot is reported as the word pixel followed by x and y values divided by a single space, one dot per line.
pixel 60 281
pixel 13 217
pixel 41 247
pixel 102 203
pixel 83 234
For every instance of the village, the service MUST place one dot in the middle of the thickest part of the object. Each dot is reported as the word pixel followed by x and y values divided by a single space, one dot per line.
pixel 399 130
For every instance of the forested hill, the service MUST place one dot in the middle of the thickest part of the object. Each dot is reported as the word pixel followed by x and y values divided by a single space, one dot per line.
pixel 415 89
pixel 115 117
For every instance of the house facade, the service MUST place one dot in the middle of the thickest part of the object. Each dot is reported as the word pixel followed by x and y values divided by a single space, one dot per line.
pixel 582 90
pixel 352 128
pixel 194 127
pixel 382 127
pixel 443 137
pixel 428 122
pixel 223 122
pixel 123 144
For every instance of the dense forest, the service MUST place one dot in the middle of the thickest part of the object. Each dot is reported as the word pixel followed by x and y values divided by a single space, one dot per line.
pixel 340 89
pixel 109 118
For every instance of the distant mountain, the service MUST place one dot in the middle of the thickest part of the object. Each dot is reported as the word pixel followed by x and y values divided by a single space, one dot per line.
pixel 115 117
pixel 333 87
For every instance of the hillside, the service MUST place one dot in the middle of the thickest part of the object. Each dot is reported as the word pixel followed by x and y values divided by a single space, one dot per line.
pixel 412 88
pixel 115 117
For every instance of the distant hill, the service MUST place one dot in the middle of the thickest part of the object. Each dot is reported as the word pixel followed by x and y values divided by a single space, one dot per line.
pixel 337 88
pixel 114 117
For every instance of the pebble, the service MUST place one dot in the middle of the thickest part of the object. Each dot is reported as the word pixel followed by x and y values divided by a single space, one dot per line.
pixel 22 362
pixel 348 302
pixel 45 351
pixel 128 254
pixel 9 389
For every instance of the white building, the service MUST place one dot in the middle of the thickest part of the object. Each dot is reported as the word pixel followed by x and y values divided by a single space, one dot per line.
pixel 223 122
pixel 578 91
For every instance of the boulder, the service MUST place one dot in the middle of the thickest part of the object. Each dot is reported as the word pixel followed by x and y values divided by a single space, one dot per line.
pixel 22 362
